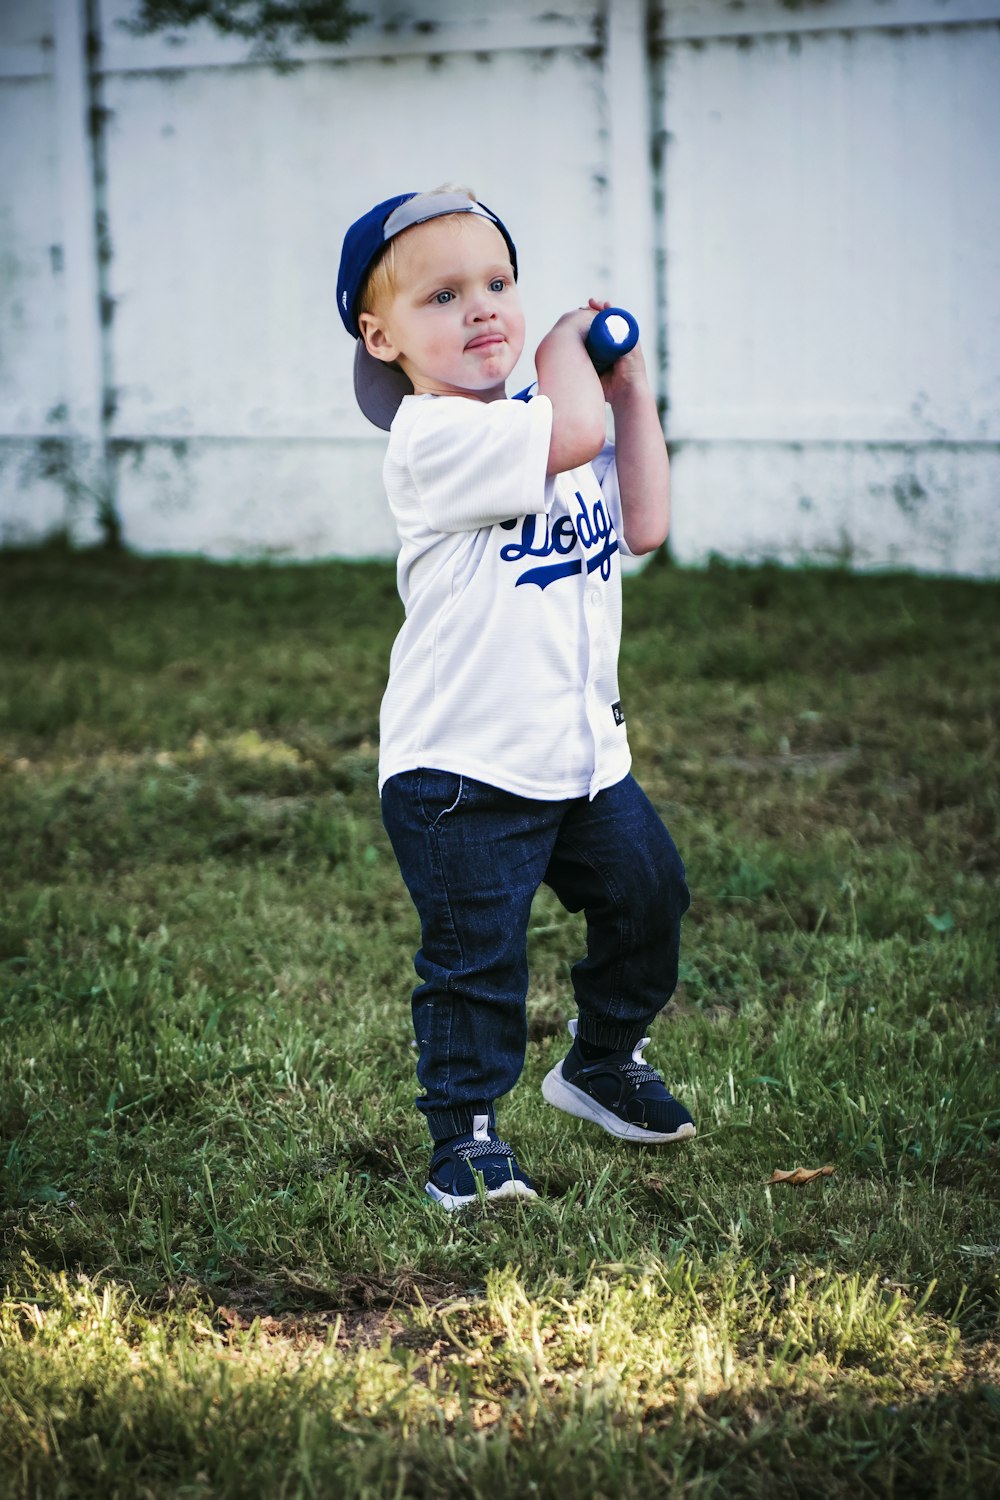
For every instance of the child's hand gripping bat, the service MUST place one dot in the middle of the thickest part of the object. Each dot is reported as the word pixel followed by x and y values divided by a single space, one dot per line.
pixel 613 333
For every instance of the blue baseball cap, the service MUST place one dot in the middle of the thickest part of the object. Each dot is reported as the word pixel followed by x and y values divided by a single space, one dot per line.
pixel 380 387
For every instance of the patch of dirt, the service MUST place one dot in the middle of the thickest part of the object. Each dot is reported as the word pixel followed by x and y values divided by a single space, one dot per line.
pixel 540 1027
pixel 680 1008
pixel 364 1329
pixel 361 1308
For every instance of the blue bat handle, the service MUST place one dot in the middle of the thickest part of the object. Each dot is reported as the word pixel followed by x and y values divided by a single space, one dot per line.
pixel 612 333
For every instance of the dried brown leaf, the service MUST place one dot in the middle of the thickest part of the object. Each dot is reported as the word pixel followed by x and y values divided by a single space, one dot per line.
pixel 799 1175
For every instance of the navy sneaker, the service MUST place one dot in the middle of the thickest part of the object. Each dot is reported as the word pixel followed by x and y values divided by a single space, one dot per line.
pixel 619 1092
pixel 458 1167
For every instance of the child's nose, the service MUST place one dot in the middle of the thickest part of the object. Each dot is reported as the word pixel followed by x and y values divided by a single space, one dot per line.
pixel 480 308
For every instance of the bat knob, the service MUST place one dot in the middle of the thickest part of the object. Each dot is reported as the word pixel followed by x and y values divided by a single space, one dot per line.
pixel 612 333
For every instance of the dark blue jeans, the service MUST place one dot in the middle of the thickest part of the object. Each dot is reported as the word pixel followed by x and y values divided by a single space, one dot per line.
pixel 472 857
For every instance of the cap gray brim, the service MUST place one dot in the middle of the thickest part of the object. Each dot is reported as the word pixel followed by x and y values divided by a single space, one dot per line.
pixel 378 387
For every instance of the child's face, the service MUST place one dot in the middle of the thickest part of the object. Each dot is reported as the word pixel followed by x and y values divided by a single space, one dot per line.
pixel 454 322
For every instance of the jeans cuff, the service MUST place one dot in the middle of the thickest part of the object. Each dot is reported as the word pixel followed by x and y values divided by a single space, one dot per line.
pixel 617 1036
pixel 445 1124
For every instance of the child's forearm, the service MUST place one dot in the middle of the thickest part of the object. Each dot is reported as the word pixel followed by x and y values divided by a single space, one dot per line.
pixel 567 377
pixel 640 457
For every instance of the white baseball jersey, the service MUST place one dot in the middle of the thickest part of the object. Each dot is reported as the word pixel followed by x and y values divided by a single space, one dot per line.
pixel 506 667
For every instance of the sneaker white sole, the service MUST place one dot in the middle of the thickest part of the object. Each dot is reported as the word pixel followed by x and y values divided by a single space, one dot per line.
pixel 573 1101
pixel 451 1202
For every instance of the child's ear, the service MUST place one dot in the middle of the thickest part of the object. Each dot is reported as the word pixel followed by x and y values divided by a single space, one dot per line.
pixel 377 340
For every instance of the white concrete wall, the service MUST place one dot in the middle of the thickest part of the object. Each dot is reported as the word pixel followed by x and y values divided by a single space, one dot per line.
pixel 51 465
pixel 232 367
pixel 799 204
pixel 832 238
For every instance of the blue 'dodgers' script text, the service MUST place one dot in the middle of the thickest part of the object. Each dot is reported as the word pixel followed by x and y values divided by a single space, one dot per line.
pixel 590 530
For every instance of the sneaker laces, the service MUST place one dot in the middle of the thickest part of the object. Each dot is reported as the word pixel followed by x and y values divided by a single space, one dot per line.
pixel 484 1148
pixel 637 1070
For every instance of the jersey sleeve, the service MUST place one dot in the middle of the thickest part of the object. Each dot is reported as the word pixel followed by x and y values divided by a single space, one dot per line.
pixel 474 463
pixel 606 473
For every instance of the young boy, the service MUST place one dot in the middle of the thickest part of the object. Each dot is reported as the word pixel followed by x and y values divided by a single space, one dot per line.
pixel 504 760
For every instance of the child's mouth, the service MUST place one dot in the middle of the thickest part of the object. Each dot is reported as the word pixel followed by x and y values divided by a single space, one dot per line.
pixel 485 340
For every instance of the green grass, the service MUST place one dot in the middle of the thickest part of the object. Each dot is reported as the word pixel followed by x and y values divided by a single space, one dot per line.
pixel 222 1278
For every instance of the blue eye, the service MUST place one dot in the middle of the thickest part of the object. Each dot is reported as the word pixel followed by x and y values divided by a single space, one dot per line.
pixel 442 298
pixel 498 285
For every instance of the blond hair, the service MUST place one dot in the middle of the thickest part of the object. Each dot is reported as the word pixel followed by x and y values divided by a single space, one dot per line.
pixel 381 282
